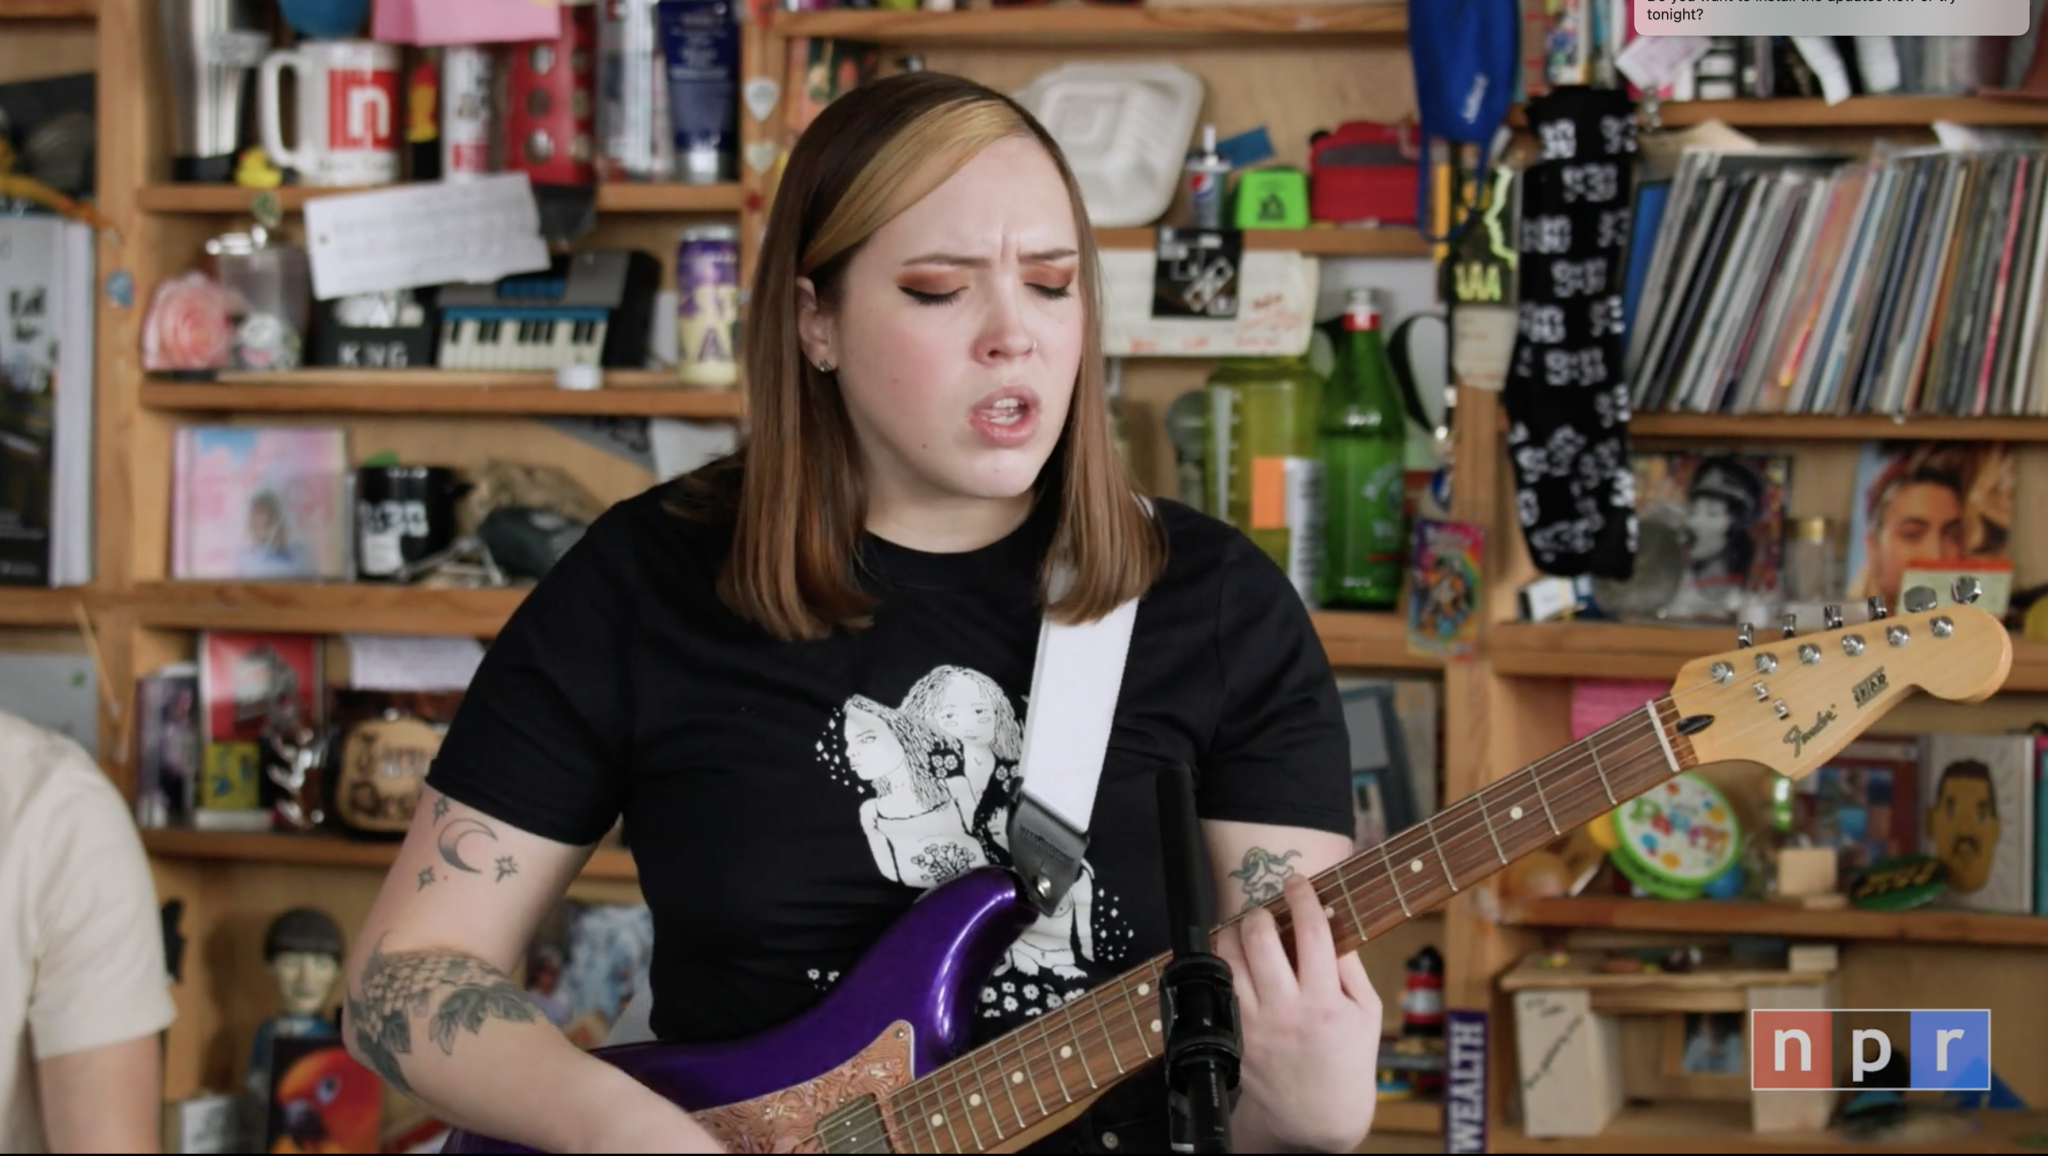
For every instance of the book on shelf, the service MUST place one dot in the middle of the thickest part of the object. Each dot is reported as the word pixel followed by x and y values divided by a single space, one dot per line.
pixel 168 742
pixel 46 401
pixel 260 503
pixel 1977 794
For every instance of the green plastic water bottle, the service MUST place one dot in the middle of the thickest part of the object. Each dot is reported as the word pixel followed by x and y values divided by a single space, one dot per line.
pixel 1364 441
pixel 1263 472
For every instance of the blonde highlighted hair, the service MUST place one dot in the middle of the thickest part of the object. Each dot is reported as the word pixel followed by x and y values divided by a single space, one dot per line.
pixel 793 490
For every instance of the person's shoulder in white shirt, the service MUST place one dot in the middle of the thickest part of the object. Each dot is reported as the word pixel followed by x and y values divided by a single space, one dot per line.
pixel 83 989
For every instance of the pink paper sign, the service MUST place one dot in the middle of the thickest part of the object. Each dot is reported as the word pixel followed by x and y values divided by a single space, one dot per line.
pixel 1599 701
pixel 465 21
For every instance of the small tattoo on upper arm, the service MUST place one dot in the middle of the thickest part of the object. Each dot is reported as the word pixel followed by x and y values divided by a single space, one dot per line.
pixel 449 841
pixel 1263 875
pixel 426 878
pixel 507 865
pixel 440 808
pixel 457 993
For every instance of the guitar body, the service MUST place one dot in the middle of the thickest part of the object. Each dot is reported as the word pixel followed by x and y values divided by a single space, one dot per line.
pixel 901 1012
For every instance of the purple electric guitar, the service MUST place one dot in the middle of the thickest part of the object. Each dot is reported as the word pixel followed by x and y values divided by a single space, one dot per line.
pixel 878 1065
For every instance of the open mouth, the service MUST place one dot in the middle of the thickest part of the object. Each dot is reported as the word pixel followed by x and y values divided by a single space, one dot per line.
pixel 1007 417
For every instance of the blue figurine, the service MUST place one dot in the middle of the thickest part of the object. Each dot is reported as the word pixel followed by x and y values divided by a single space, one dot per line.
pixel 303 950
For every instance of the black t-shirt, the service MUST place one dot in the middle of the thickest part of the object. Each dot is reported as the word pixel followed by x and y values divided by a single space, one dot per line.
pixel 770 858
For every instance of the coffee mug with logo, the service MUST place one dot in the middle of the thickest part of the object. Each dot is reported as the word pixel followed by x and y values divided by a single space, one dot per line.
pixel 347 122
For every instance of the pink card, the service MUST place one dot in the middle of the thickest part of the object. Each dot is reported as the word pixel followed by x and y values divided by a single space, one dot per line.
pixel 465 21
pixel 1599 701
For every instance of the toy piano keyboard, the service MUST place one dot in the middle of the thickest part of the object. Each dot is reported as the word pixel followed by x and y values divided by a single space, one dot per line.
pixel 588 308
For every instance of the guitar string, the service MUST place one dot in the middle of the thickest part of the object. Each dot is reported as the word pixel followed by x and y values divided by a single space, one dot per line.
pixel 1636 732
pixel 1633 729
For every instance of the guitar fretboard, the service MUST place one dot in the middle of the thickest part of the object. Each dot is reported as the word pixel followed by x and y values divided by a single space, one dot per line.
pixel 1012 1084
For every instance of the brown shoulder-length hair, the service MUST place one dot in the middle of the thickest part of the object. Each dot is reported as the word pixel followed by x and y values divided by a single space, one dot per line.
pixel 793 489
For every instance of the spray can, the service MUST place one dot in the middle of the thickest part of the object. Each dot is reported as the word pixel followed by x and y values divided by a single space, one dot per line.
pixel 1206 170
pixel 465 112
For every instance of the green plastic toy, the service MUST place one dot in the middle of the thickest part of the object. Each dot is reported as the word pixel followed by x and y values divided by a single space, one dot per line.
pixel 1673 840
pixel 1275 197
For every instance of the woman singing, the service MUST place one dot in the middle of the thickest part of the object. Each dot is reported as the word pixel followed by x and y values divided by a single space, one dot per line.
pixel 740 663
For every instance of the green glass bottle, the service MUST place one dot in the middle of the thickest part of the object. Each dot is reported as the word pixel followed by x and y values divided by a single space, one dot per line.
pixel 1364 441
pixel 1264 475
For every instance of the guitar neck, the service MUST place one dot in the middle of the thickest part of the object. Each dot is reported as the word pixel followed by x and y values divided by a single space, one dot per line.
pixel 1013 1085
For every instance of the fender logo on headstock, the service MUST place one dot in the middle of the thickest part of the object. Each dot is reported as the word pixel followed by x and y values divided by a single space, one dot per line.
pixel 1868 688
pixel 1798 738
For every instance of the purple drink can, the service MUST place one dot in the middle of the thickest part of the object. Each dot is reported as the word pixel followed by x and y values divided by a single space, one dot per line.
pixel 708 306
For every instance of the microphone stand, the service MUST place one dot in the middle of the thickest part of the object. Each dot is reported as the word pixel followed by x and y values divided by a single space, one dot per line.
pixel 1197 1004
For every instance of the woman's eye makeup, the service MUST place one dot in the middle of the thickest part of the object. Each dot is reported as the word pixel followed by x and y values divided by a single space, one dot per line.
pixel 934 295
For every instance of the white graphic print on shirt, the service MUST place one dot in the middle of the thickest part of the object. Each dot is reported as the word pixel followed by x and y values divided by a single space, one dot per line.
pixel 941 772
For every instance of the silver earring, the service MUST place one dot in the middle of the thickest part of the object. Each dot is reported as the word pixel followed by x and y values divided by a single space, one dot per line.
pixel 824 367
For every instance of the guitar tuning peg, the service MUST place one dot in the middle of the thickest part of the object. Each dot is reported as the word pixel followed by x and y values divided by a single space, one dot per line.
pixel 1745 637
pixel 1788 624
pixel 1831 616
pixel 1920 599
pixel 1877 609
pixel 1966 590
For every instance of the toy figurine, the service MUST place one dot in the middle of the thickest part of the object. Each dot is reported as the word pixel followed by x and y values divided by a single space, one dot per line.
pixel 303 950
pixel 1422 1013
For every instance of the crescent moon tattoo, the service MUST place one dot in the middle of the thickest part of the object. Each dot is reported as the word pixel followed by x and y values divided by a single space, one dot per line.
pixel 451 842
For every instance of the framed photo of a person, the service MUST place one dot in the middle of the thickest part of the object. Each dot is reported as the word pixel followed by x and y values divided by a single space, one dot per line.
pixel 1728 510
pixel 1926 502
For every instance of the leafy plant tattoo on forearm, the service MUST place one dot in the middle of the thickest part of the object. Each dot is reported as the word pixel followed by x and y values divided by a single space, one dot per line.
pixel 1263 874
pixel 397 989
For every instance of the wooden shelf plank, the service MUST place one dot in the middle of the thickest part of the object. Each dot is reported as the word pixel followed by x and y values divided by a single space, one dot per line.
pixel 1324 241
pixel 1019 26
pixel 1714 917
pixel 1352 639
pixel 49 9
pixel 325 608
pixel 1616 650
pixel 1365 639
pixel 434 391
pixel 619 198
pixel 1828 427
pixel 43 605
pixel 1725 1127
pixel 1857 111
pixel 321 850
pixel 1414 1117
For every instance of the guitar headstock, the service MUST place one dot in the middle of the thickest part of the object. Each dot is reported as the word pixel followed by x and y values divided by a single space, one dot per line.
pixel 1794 702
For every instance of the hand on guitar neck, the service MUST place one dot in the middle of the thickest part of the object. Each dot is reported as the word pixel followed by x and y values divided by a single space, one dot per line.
pixel 1311 1027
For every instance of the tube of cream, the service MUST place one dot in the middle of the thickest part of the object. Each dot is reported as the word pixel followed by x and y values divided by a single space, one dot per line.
pixel 700 46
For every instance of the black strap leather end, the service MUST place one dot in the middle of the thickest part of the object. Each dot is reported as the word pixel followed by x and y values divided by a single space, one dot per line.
pixel 1047 852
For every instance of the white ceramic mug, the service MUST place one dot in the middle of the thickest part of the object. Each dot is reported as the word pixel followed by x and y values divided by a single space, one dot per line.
pixel 348 111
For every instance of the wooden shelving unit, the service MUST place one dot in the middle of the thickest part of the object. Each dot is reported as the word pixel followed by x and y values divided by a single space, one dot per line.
pixel 319 850
pixel 1855 112
pixel 39 606
pixel 617 198
pixel 1831 427
pixel 1725 1127
pixel 49 10
pixel 437 391
pixel 1093 25
pixel 1697 917
pixel 1617 650
pixel 325 608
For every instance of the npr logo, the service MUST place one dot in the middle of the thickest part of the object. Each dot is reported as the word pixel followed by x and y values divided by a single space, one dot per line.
pixel 1859 1050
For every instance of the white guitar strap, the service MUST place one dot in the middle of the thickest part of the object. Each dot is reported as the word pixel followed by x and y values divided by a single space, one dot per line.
pixel 1074 687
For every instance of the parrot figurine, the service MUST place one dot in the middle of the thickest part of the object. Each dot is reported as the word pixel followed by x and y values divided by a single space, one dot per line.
pixel 329 1103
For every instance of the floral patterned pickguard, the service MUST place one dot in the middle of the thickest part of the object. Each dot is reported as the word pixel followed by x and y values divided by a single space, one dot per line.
pixel 788 1120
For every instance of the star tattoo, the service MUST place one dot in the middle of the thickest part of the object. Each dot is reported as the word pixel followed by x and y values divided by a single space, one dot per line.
pixel 506 866
pixel 440 808
pixel 426 877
